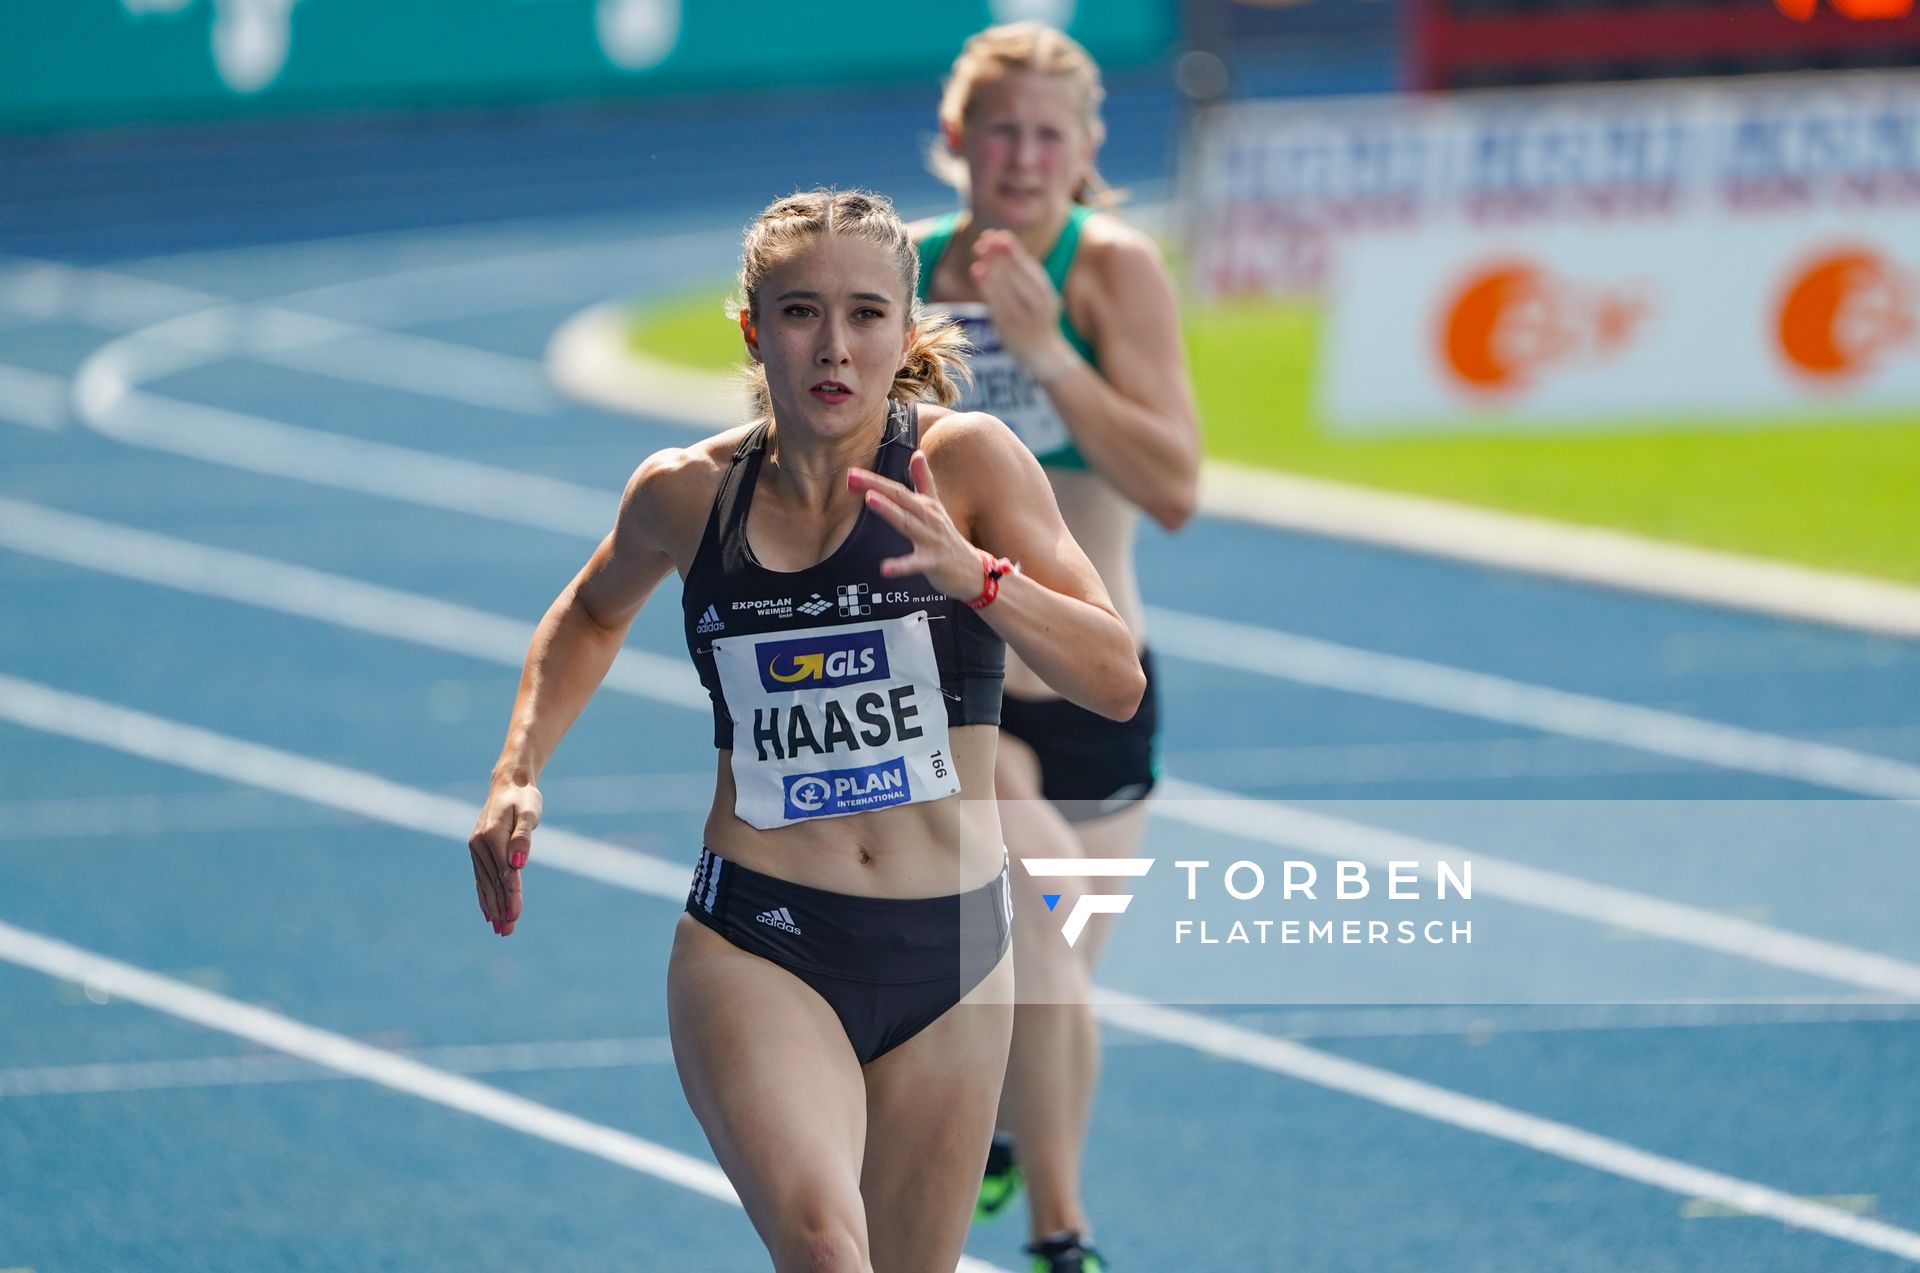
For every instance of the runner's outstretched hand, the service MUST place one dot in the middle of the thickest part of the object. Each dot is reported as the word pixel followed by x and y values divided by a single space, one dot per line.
pixel 499 845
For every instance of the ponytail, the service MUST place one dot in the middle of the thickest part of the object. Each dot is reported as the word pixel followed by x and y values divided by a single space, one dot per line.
pixel 936 369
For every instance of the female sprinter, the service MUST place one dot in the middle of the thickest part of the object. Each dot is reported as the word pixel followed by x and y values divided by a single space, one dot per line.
pixel 847 600
pixel 1077 341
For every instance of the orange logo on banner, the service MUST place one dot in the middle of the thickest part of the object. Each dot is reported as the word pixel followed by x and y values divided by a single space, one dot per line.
pixel 1843 309
pixel 1858 10
pixel 1512 319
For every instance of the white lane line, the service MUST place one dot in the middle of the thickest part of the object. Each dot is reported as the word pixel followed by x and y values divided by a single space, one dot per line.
pixel 498 282
pixel 1466 759
pixel 76 717
pixel 1300 830
pixel 430 368
pixel 241 1071
pixel 201 812
pixel 104 401
pixel 33 398
pixel 1411 523
pixel 1449 760
pixel 586 356
pixel 450 819
pixel 1896 1231
pixel 1477 1025
pixel 347 351
pixel 311 594
pixel 376 1065
pixel 1480 1024
pixel 439 625
pixel 1383 1087
pixel 1242 647
pixel 1304 660
pixel 1586 554
pixel 212 327
pixel 369 796
pixel 107 398
pixel 205 328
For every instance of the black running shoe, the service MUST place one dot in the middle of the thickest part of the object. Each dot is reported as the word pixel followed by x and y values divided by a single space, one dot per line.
pixel 1001 1184
pixel 1065 1253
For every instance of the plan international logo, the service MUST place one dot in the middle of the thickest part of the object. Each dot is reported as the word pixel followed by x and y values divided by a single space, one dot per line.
pixel 834 792
pixel 1087 905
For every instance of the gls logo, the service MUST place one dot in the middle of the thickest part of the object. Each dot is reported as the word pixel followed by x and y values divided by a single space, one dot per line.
pixel 1087 905
pixel 814 663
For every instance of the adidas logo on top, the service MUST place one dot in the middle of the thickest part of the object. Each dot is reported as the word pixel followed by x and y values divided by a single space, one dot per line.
pixel 710 621
pixel 779 917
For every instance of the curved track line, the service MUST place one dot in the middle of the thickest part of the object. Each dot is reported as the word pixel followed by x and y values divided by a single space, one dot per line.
pixel 168 742
pixel 1383 1087
pixel 586 363
pixel 358 606
pixel 1307 661
pixel 375 1065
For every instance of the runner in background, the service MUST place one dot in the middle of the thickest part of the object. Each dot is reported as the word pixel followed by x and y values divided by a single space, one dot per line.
pixel 1077 347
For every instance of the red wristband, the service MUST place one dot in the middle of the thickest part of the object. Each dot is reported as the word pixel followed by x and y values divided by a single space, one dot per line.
pixel 996 568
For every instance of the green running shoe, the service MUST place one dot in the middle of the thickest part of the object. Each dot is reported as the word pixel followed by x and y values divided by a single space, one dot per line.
pixel 1001 1183
pixel 1065 1253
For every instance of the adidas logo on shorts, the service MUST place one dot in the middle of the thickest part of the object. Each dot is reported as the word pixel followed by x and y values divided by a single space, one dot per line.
pixel 813 609
pixel 710 621
pixel 779 917
pixel 853 600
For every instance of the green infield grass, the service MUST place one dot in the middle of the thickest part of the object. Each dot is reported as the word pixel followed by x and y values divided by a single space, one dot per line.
pixel 1839 495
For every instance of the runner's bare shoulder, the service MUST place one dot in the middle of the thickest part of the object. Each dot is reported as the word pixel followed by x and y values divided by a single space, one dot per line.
pixel 974 455
pixel 669 496
pixel 1115 255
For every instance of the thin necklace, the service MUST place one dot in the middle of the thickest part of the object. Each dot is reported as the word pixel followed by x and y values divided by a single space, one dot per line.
pixel 788 468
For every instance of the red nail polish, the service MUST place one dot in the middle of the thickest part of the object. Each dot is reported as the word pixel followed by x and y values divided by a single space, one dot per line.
pixel 518 860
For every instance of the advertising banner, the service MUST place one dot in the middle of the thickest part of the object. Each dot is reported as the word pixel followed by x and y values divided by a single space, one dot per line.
pixel 1724 321
pixel 1720 251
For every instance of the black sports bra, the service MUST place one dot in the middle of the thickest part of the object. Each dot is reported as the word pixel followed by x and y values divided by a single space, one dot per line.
pixel 728 594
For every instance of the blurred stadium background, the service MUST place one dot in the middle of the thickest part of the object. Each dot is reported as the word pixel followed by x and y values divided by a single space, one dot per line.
pixel 285 480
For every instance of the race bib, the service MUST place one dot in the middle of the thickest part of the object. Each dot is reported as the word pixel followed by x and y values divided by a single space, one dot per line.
pixel 1002 387
pixel 837 720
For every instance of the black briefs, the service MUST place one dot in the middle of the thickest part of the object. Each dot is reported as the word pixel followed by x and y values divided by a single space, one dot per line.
pixel 889 967
pixel 1090 767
